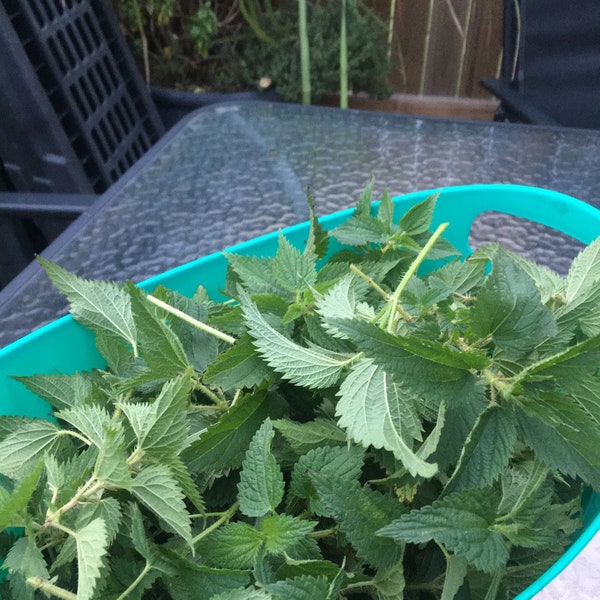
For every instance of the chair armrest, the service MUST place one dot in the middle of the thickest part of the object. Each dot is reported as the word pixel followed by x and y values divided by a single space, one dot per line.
pixel 32 204
pixel 517 103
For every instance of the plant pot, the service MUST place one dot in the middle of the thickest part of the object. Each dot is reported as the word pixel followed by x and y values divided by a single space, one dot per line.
pixel 65 346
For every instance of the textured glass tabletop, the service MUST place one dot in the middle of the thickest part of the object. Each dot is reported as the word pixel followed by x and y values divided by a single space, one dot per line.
pixel 231 172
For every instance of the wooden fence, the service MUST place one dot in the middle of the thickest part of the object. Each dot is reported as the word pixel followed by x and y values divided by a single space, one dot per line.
pixel 443 47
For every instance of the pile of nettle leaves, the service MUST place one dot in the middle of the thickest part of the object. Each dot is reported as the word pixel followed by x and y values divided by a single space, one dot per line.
pixel 340 428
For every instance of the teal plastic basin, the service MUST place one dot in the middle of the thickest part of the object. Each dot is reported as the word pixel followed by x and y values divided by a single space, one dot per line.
pixel 64 346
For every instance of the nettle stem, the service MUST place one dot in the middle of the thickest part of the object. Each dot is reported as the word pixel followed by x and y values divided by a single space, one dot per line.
pixel 412 270
pixel 91 487
pixel 198 324
pixel 224 519
pixel 38 583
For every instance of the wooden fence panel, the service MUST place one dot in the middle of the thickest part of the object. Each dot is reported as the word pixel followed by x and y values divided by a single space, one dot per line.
pixel 444 47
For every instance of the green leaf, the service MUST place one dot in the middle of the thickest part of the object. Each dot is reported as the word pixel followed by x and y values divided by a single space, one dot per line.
pixel 360 513
pixel 303 437
pixel 462 522
pixel 456 571
pixel 459 277
pixel 417 219
pixel 92 546
pixel 520 484
pixel 90 420
pixel 241 594
pixel 223 444
pixel 343 463
pixel 117 354
pixel 160 347
pixel 424 369
pixel 310 366
pixel 256 274
pixel 143 545
pixel 60 391
pixel 95 304
pixel 584 273
pixel 374 412
pixel 111 465
pixel 24 560
pixel 162 426
pixel 233 546
pixel 283 532
pixel 156 488
pixel 509 308
pixel 304 587
pixel 390 582
pixel 13 505
pixel 318 238
pixel 27 445
pixel 488 449
pixel 192 580
pixel 238 367
pixel 361 229
pixel 260 489
pixel 340 301
pixel 293 270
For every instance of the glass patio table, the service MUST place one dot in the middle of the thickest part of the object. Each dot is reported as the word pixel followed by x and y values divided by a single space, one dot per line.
pixel 230 172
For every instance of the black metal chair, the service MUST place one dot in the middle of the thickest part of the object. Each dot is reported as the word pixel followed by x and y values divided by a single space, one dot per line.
pixel 75 114
pixel 550 71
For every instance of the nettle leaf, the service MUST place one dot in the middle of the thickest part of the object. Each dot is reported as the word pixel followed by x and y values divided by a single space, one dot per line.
pixel 303 437
pixel 310 366
pixel 24 560
pixel 115 351
pixel 256 274
pixel 584 273
pixel 417 219
pixel 318 238
pixel 425 369
pixel 555 451
pixel 293 270
pixel 162 426
pixel 283 532
pixel 304 587
pixel 60 391
pixel 92 546
pixel 238 367
pixel 232 546
pixel 343 463
pixel 581 311
pixel 111 466
pixel 462 522
pixel 223 444
pixel 260 489
pixel 509 308
pixel 520 484
pixel 156 488
pixel 489 447
pixel 340 301
pixel 13 504
pixel 201 347
pixel 27 445
pixel 458 276
pixel 146 548
pixel 361 229
pixel 373 411
pixel 90 420
pixel 160 347
pixel 95 304
pixel 360 513
pixel 390 582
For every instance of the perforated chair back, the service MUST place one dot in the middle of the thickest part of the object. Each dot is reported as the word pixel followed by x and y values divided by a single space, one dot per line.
pixel 79 101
